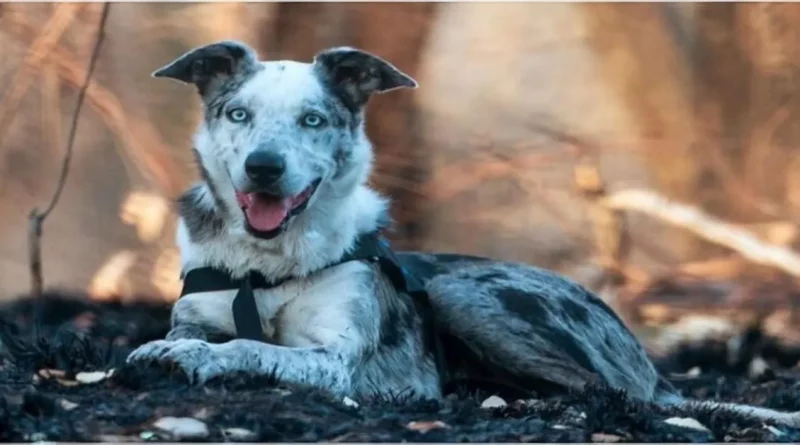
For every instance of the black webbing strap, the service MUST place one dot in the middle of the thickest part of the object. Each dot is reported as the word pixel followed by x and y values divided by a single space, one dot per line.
pixel 245 311
pixel 369 247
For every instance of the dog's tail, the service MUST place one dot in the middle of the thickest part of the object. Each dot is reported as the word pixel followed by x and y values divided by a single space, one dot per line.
pixel 667 396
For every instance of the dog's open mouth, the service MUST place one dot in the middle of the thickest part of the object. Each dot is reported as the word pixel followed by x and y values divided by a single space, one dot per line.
pixel 267 214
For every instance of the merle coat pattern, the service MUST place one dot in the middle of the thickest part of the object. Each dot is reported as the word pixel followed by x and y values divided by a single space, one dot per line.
pixel 284 161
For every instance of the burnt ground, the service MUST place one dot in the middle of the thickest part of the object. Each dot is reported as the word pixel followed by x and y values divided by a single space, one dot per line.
pixel 67 333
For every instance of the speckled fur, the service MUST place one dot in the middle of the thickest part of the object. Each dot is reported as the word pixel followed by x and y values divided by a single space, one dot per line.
pixel 345 328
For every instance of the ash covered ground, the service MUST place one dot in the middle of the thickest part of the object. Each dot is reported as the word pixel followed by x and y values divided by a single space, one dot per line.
pixel 56 352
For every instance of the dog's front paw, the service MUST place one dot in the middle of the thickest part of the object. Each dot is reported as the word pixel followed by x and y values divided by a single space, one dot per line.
pixel 149 352
pixel 198 359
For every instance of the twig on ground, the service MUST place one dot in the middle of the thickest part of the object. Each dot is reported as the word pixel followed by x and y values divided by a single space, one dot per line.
pixel 37 218
pixel 707 227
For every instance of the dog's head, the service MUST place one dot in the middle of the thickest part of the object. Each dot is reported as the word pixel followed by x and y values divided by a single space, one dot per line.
pixel 279 135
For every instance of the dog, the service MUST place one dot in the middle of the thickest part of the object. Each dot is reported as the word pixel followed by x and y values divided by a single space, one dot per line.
pixel 285 160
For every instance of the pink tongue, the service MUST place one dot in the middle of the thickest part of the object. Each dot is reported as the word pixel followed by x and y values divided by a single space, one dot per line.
pixel 266 214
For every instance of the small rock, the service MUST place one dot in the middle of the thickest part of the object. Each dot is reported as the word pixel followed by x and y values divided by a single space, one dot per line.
pixel 493 402
pixel 182 427
pixel 758 366
pixel 350 402
pixel 424 427
pixel 238 434
pixel 91 377
pixel 147 435
pixel 560 427
pixel 605 438
pixel 694 372
pixel 687 422
pixel 67 405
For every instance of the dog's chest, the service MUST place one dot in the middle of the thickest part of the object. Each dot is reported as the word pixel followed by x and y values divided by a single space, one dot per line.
pixel 316 310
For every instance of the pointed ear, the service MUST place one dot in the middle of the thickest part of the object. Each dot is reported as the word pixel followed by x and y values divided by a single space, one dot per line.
pixel 355 75
pixel 208 67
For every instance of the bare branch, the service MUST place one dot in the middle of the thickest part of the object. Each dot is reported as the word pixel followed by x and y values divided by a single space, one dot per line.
pixel 707 227
pixel 36 218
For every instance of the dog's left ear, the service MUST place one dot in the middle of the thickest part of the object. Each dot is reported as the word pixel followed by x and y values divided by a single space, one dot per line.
pixel 355 74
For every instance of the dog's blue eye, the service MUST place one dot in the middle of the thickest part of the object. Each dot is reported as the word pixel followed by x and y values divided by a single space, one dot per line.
pixel 313 120
pixel 238 115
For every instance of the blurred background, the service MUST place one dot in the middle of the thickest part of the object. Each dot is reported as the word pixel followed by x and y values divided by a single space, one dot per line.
pixel 645 150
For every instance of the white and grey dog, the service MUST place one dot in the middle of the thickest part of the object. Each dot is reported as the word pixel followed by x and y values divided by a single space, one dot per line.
pixel 285 161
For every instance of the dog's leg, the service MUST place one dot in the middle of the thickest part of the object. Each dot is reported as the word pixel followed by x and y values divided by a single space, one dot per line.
pixel 326 325
pixel 197 316
pixel 187 331
pixel 321 367
pixel 535 325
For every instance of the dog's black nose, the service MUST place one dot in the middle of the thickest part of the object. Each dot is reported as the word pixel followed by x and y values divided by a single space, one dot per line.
pixel 264 167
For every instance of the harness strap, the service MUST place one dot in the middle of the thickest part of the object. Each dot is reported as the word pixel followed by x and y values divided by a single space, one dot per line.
pixel 369 247
pixel 245 311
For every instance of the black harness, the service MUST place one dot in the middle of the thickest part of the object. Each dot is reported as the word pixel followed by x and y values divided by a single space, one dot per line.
pixel 370 247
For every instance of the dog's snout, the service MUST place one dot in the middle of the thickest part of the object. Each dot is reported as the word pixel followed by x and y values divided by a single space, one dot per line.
pixel 264 167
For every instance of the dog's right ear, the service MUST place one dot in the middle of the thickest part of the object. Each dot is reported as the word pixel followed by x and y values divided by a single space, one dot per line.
pixel 209 66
